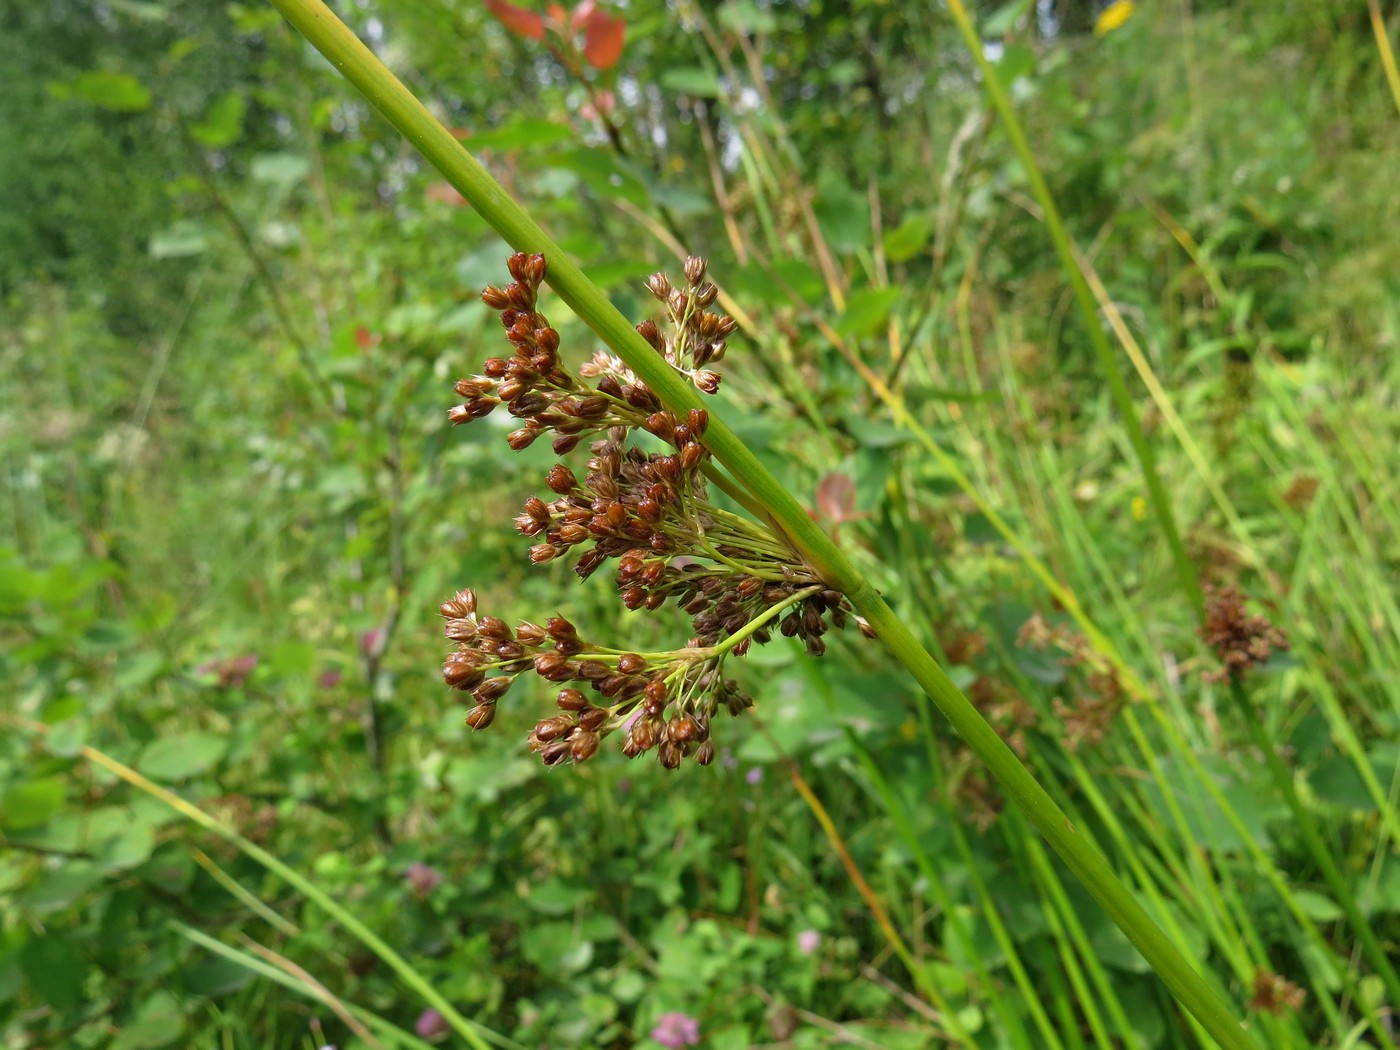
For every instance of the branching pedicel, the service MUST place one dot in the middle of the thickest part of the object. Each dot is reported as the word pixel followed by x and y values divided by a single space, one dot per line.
pixel 650 511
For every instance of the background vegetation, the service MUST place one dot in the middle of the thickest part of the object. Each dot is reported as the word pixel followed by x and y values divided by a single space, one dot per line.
pixel 234 307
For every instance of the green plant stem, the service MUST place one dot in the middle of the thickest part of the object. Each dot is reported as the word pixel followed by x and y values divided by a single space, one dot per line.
pixel 359 65
pixel 1088 309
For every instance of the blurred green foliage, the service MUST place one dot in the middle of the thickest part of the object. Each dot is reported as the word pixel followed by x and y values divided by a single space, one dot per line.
pixel 235 303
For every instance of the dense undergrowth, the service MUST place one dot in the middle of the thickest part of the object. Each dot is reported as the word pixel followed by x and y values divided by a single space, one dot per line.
pixel 235 308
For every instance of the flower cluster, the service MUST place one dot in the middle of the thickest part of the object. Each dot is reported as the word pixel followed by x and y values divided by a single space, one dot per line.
pixel 644 506
pixel 1240 641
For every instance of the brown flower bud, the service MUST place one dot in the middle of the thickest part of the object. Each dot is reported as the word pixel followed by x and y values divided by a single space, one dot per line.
pixel 572 700
pixel 463 603
pixel 556 751
pixel 543 552
pixel 662 424
pixel 631 663
pixel 494 628
pixel 530 633
pixel 648 331
pixel 559 627
pixel 694 269
pixel 459 414
pixel 669 755
pixel 561 479
pixel 461 673
pixel 481 716
pixel 659 286
pixel 691 455
pixel 583 746
pixel 610 386
pixel 705 753
pixel 460 630
pixel 563 444
pixel 553 728
pixel 706 380
pixel 495 297
pixel 591 719
pixel 682 730
pixel 491 690
pixel 649 511
pixel 643 733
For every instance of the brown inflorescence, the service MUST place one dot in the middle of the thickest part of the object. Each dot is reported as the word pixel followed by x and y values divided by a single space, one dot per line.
pixel 1240 641
pixel 648 511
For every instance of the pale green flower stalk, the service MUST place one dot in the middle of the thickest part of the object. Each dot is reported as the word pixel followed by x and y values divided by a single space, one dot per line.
pixel 825 559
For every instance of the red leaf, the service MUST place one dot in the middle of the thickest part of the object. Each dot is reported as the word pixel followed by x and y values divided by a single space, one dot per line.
pixel 602 39
pixel 364 338
pixel 517 19
pixel 444 193
pixel 836 497
pixel 580 15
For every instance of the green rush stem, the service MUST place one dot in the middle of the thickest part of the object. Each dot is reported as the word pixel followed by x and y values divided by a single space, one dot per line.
pixel 1088 309
pixel 826 560
pixel 734 491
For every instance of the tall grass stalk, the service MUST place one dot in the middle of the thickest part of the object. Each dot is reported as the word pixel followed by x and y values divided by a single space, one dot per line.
pixel 358 64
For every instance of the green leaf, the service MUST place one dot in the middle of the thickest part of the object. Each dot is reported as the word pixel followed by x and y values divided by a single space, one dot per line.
pixel 909 238
pixel 63 887
pixel 178 241
pixel 55 969
pixel 842 213
pixel 1016 60
pixel 281 170
pixel 867 310
pixel 30 803
pixel 183 756
pixel 521 134
pixel 1317 907
pixel 158 1024
pixel 118 92
pixel 131 848
pixel 1003 20
pixel 223 122
pixel 691 80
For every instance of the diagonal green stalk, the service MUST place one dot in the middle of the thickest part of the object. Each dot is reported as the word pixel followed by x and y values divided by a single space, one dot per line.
pixel 1084 297
pixel 383 90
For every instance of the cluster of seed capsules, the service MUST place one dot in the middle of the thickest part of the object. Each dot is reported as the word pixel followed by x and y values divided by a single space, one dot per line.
pixel 648 510
pixel 667 706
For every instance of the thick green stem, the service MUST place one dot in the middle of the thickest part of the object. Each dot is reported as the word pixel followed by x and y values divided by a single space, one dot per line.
pixel 316 22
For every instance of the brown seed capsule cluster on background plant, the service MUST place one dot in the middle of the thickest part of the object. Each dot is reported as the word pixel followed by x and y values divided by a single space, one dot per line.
pixel 647 510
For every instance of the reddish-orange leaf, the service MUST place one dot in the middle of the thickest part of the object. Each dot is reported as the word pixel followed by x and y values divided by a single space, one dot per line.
pixel 444 193
pixel 602 39
pixel 517 19
pixel 836 497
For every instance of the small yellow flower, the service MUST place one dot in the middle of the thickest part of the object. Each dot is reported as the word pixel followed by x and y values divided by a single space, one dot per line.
pixel 1139 509
pixel 909 730
pixel 1113 16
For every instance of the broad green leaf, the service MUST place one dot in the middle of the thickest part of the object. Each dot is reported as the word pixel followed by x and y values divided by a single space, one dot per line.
pixel 158 1024
pixel 30 803
pixel 178 241
pixel 223 122
pixel 867 310
pixel 909 238
pixel 118 92
pixel 55 969
pixel 1016 60
pixel 521 134
pixel 183 756
pixel 282 170
pixel 842 213
pixel 63 887
pixel 691 80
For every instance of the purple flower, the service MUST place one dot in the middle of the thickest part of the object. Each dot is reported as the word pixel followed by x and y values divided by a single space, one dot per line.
pixel 329 678
pixel 808 941
pixel 675 1030
pixel 754 775
pixel 371 640
pixel 431 1025
pixel 422 880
